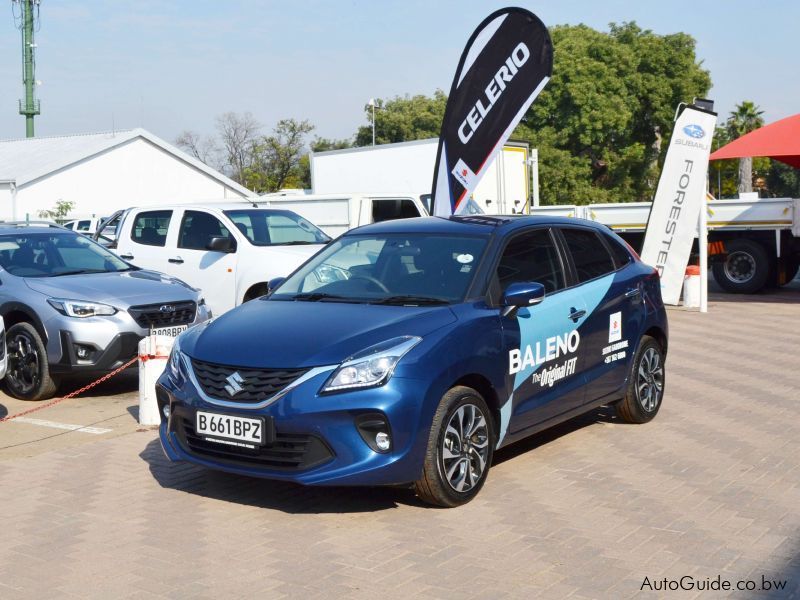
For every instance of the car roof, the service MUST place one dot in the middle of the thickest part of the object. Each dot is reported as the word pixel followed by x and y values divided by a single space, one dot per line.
pixel 468 224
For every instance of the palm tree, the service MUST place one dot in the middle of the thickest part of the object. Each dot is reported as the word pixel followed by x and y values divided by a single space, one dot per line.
pixel 744 119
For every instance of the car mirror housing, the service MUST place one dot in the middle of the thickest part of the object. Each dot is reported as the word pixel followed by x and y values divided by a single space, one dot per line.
pixel 221 244
pixel 273 283
pixel 522 295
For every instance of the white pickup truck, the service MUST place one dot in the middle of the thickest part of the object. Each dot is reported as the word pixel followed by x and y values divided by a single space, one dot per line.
pixel 753 243
pixel 229 250
pixel 336 213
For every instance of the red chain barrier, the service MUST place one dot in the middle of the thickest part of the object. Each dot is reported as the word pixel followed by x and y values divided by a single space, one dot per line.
pixel 77 392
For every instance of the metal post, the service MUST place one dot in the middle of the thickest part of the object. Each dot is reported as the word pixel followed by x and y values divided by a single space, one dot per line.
pixel 373 123
pixel 702 241
pixel 29 107
pixel 534 160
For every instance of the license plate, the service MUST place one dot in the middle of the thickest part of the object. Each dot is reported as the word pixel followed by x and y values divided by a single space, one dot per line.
pixel 172 331
pixel 229 429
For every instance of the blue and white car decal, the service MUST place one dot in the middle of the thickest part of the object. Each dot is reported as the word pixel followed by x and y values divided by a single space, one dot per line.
pixel 546 341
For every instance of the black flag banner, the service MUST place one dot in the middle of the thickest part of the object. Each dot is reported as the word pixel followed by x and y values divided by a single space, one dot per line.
pixel 507 62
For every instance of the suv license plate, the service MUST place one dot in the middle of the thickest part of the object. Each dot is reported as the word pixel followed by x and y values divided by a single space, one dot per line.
pixel 229 429
pixel 169 331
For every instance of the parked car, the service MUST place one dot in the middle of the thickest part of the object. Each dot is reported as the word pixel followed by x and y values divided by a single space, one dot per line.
pixel 86 226
pixel 72 307
pixel 229 250
pixel 406 352
pixel 3 349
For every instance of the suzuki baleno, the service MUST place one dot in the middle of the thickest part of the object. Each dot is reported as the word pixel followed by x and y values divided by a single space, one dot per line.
pixel 407 352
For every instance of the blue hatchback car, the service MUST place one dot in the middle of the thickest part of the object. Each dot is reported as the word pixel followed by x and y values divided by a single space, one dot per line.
pixel 406 352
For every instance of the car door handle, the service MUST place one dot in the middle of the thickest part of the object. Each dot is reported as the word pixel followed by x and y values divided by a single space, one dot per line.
pixel 177 260
pixel 633 292
pixel 126 256
pixel 576 314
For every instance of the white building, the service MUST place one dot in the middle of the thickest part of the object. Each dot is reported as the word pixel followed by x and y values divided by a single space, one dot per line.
pixel 101 173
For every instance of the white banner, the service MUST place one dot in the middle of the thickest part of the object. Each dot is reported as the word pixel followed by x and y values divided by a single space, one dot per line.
pixel 676 206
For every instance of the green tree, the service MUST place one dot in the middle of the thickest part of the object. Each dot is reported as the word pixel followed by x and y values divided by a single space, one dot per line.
pixel 745 118
pixel 601 121
pixel 276 159
pixel 403 118
pixel 59 212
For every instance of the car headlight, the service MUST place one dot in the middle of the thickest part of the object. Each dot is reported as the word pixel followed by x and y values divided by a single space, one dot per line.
pixel 370 367
pixel 175 361
pixel 81 308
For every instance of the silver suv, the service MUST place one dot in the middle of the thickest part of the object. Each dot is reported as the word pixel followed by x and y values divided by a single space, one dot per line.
pixel 71 307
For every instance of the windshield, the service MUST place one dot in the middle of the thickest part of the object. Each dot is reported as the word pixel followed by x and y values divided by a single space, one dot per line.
pixel 389 269
pixel 51 254
pixel 275 227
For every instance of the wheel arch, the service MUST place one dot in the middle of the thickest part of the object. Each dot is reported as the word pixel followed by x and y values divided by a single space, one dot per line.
pixel 484 387
pixel 260 288
pixel 660 336
pixel 15 312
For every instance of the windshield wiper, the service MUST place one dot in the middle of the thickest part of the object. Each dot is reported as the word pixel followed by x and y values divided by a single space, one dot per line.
pixel 410 300
pixel 296 243
pixel 317 296
pixel 77 272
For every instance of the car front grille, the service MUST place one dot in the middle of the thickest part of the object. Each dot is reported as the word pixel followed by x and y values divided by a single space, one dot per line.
pixel 164 314
pixel 255 384
pixel 289 451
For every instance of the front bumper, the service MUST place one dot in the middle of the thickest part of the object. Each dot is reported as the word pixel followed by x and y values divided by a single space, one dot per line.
pixel 317 439
pixel 109 341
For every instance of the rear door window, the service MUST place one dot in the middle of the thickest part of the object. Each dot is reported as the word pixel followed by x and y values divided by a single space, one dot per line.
pixel 589 254
pixel 150 227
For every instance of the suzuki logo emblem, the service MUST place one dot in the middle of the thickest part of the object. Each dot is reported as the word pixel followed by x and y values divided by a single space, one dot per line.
pixel 166 308
pixel 235 382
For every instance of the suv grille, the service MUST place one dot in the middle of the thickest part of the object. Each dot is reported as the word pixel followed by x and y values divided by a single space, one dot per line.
pixel 257 384
pixel 150 316
pixel 289 451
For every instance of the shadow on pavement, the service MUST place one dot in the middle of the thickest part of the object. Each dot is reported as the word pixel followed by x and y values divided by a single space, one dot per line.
pixel 604 414
pixel 125 382
pixel 297 499
pixel 277 495
pixel 3 411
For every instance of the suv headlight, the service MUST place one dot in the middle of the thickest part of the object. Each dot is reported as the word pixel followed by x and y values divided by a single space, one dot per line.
pixel 81 308
pixel 370 367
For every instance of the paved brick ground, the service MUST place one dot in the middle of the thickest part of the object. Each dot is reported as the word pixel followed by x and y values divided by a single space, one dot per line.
pixel 587 511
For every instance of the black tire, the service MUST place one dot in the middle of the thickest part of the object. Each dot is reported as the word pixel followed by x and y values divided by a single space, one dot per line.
pixel 792 266
pixel 638 406
pixel 745 270
pixel 435 487
pixel 28 376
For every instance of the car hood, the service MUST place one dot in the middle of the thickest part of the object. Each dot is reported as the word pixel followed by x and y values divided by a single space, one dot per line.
pixel 121 290
pixel 289 334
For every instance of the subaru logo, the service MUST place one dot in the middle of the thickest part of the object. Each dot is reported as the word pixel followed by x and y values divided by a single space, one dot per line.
pixel 166 308
pixel 694 131
pixel 235 382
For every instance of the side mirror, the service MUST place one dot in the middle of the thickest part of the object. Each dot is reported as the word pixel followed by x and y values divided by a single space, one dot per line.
pixel 273 283
pixel 221 244
pixel 522 295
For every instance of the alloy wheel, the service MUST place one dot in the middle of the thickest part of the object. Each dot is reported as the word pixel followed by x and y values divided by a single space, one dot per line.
pixel 23 363
pixel 650 380
pixel 465 448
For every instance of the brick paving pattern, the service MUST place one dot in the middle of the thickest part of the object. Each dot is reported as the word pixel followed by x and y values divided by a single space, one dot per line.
pixel 589 510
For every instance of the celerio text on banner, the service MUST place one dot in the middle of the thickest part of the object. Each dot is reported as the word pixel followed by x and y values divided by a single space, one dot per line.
pixel 507 62
pixel 676 207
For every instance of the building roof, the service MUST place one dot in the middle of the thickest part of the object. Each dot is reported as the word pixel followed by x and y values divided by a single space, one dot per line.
pixel 26 160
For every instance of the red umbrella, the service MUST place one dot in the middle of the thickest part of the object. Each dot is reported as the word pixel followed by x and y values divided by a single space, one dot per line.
pixel 779 140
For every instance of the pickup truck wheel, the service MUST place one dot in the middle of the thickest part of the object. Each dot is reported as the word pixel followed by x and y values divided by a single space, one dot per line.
pixel 28 375
pixel 792 270
pixel 646 382
pixel 745 269
pixel 460 449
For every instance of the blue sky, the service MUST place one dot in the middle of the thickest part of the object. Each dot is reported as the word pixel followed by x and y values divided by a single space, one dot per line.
pixel 175 65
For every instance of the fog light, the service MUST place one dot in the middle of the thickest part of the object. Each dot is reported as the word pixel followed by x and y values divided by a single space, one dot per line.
pixel 165 411
pixel 382 441
pixel 83 352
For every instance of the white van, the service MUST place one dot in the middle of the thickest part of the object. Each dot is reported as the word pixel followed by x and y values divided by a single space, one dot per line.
pixel 229 250
pixel 336 213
